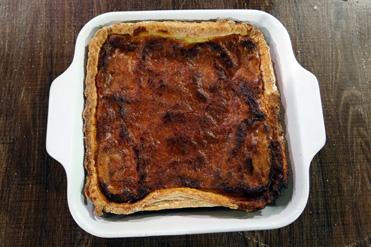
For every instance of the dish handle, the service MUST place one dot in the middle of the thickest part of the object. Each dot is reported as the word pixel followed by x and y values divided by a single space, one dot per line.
pixel 60 123
pixel 312 126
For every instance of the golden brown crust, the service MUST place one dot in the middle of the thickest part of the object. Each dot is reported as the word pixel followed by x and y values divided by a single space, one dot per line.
pixel 173 197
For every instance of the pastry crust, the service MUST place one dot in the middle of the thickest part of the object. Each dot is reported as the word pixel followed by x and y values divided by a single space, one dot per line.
pixel 178 197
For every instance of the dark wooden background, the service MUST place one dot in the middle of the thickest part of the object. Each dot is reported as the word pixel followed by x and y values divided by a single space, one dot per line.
pixel 330 37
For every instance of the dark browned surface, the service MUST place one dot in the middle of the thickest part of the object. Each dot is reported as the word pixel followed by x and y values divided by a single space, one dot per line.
pixel 330 38
pixel 171 114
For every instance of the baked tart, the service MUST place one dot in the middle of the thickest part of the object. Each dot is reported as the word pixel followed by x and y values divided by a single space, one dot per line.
pixel 180 115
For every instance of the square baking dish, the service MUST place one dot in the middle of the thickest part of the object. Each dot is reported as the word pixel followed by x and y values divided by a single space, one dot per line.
pixel 305 134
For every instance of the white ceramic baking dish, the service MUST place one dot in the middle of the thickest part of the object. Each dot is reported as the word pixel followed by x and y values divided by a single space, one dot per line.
pixel 305 134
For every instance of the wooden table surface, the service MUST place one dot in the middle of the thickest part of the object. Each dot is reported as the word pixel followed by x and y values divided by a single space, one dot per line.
pixel 331 38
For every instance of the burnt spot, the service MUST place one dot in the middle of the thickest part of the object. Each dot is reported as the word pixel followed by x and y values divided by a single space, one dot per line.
pixel 139 30
pixel 188 182
pixel 252 192
pixel 174 117
pixel 116 40
pixel 122 42
pixel 118 102
pixel 220 72
pixel 215 47
pixel 196 79
pixel 226 59
pixel 277 176
pixel 161 85
pixel 201 95
pixel 114 98
pixel 242 190
pixel 102 60
pixel 223 54
pixel 104 54
pixel 180 144
pixel 241 133
pixel 199 162
pixel 113 42
pixel 214 88
pixel 227 188
pixel 196 163
pixel 143 191
pixel 128 195
pixel 276 157
pixel 153 47
pixel 266 128
pixel 256 113
pixel 141 162
pixel 181 52
pixel 175 51
pixel 190 52
pixel 206 121
pixel 217 109
pixel 157 85
pixel 199 92
pixel 248 166
pixel 124 133
pixel 254 87
pixel 248 44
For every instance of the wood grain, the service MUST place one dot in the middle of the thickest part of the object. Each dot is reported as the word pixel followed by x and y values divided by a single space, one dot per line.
pixel 330 37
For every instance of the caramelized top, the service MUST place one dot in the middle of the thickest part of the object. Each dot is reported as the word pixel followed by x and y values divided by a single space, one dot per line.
pixel 175 114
